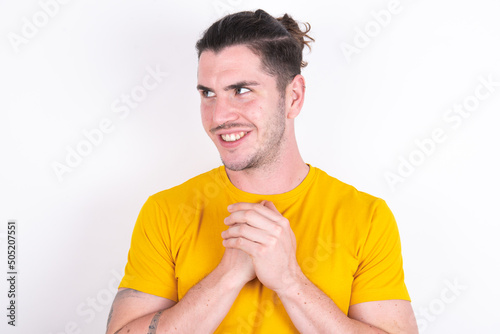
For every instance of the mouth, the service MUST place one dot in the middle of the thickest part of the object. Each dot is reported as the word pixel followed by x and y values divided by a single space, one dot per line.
pixel 232 137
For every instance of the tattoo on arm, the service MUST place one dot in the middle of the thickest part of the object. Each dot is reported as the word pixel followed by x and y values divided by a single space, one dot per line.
pixel 127 293
pixel 109 317
pixel 120 295
pixel 154 323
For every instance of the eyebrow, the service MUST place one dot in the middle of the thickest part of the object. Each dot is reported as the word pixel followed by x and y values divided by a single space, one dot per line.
pixel 237 85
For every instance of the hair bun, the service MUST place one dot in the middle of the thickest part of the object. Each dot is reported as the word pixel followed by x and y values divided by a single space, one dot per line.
pixel 301 37
pixel 293 28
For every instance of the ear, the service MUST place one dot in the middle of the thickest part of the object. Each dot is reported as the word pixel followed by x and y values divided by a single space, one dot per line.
pixel 295 94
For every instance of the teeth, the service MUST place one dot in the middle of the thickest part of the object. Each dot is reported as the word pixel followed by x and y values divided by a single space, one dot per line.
pixel 233 136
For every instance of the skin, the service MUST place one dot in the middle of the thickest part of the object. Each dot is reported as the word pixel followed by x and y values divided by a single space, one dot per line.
pixel 258 109
pixel 237 95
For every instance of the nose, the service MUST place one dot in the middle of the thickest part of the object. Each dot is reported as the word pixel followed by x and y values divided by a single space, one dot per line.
pixel 224 111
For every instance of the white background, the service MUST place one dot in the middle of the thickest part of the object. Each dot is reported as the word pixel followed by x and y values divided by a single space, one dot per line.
pixel 362 115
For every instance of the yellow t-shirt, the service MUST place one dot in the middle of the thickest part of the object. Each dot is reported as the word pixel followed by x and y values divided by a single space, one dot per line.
pixel 347 244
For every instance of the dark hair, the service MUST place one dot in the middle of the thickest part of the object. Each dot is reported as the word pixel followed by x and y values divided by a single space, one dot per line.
pixel 277 41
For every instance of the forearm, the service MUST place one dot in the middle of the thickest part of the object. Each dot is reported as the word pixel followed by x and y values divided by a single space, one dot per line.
pixel 202 309
pixel 312 311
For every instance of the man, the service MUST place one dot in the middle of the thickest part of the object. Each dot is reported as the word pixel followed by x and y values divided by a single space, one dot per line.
pixel 265 243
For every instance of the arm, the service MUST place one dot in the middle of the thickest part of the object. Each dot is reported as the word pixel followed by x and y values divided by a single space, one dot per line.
pixel 262 232
pixel 201 310
pixel 314 312
pixel 394 316
pixel 130 304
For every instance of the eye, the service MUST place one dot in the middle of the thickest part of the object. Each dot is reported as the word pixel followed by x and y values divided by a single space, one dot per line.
pixel 207 93
pixel 242 90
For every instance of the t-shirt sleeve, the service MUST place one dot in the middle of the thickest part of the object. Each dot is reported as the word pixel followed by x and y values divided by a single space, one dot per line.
pixel 380 272
pixel 150 267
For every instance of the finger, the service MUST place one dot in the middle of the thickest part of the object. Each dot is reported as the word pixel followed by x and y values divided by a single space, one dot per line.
pixel 244 206
pixel 268 229
pixel 241 206
pixel 270 205
pixel 251 218
pixel 243 244
pixel 247 232
pixel 258 207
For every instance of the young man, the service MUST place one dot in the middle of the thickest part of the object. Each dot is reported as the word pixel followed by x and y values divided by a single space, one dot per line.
pixel 265 243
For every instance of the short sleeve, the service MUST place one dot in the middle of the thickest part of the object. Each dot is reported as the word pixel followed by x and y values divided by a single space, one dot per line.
pixel 380 272
pixel 150 267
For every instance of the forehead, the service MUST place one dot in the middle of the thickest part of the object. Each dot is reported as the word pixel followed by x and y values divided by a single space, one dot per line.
pixel 233 63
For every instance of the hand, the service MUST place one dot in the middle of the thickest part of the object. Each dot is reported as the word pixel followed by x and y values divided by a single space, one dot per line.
pixel 239 264
pixel 262 232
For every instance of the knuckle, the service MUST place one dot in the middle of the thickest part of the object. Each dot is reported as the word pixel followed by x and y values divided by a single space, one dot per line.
pixel 277 230
pixel 242 228
pixel 246 214
pixel 284 222
pixel 272 241
pixel 262 251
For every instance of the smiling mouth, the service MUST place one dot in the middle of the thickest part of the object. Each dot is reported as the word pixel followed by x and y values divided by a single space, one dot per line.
pixel 233 136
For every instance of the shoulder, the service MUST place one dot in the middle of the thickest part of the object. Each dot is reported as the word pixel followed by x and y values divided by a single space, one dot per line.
pixel 346 194
pixel 203 185
pixel 355 210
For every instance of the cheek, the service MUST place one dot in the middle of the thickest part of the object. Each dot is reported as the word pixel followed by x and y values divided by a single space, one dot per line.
pixel 206 118
pixel 253 111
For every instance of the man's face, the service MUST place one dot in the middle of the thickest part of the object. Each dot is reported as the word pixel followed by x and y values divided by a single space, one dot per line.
pixel 241 109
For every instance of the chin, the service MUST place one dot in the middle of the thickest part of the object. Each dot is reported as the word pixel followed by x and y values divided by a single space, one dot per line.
pixel 252 162
pixel 236 166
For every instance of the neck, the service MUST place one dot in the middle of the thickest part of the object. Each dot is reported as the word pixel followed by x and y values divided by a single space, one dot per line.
pixel 280 176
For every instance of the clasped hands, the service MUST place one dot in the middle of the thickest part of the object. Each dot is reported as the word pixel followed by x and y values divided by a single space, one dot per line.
pixel 261 244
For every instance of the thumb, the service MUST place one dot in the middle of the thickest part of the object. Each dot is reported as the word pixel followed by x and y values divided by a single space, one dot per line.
pixel 270 205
